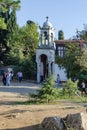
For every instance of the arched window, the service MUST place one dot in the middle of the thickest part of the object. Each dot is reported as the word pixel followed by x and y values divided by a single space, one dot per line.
pixel 52 37
pixel 45 35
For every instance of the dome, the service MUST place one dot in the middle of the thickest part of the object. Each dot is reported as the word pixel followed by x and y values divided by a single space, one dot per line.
pixel 47 24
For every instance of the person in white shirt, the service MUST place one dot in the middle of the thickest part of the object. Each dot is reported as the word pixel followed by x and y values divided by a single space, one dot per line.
pixel 8 78
pixel 83 86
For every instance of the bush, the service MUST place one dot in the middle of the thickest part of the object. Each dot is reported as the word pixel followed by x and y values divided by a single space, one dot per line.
pixel 70 88
pixel 48 92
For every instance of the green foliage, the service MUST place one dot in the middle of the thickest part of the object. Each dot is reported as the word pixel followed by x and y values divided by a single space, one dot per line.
pixel 68 92
pixel 82 60
pixel 15 54
pixel 75 59
pixel 82 34
pixel 29 68
pixel 30 38
pixel 23 44
pixel 59 60
pixel 72 50
pixel 27 38
pixel 83 76
pixel 5 8
pixel 2 24
pixel 71 60
pixel 60 35
pixel 70 88
pixel 48 92
pixel 19 43
pixel 7 24
pixel 6 5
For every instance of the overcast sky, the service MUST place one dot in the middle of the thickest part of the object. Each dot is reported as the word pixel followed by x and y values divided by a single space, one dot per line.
pixel 66 15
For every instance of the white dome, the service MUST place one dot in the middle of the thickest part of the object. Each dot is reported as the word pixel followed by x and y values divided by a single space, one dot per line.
pixel 47 24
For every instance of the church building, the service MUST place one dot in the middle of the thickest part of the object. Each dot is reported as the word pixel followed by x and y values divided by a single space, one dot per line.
pixel 46 51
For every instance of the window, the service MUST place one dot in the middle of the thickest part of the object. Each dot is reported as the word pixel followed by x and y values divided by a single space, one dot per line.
pixel 45 35
pixel 51 37
pixel 61 51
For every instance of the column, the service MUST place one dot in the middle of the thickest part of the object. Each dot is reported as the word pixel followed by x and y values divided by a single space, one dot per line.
pixel 53 68
pixel 38 73
pixel 49 68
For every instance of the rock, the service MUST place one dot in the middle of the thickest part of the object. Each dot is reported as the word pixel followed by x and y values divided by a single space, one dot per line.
pixel 53 123
pixel 77 121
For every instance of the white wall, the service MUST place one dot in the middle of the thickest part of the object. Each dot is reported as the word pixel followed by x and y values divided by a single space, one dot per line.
pixel 61 72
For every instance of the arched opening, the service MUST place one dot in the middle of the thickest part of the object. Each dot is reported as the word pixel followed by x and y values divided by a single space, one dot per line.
pixel 44 67
pixel 45 38
pixel 52 68
pixel 51 37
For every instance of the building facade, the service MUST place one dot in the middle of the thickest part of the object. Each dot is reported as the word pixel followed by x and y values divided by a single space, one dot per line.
pixel 45 53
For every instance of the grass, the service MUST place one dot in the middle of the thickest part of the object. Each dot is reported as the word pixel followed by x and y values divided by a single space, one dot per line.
pixel 32 101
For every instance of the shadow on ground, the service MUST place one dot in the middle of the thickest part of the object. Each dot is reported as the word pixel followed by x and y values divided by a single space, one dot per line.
pixel 33 127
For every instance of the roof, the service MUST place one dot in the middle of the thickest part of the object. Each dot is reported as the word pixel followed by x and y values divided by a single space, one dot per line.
pixel 68 41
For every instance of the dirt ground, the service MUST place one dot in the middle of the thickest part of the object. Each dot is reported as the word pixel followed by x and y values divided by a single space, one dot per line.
pixel 29 117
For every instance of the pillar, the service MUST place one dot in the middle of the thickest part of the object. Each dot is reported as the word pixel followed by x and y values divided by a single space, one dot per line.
pixel 49 68
pixel 38 73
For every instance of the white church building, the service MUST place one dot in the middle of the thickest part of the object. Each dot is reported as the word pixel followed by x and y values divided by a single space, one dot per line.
pixel 45 54
pixel 46 51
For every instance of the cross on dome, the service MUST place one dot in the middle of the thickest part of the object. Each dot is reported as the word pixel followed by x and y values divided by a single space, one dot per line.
pixel 47 24
pixel 47 18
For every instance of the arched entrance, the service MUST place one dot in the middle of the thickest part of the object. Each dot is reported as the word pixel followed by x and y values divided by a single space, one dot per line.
pixel 44 67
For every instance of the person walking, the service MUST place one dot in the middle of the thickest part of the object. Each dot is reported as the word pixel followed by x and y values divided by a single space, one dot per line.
pixel 83 86
pixel 19 76
pixel 4 78
pixel 11 75
pixel 58 79
pixel 8 78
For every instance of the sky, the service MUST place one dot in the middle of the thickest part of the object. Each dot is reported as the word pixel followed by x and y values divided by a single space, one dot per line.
pixel 65 15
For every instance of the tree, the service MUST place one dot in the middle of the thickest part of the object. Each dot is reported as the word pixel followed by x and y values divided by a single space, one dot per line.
pixel 30 38
pixel 72 51
pixel 60 35
pixel 48 92
pixel 15 55
pixel 82 62
pixel 70 88
pixel 74 61
pixel 5 6
pixel 82 59
pixel 7 9
pixel 82 34
pixel 69 61
pixel 12 24
pixel 2 24
pixel 24 57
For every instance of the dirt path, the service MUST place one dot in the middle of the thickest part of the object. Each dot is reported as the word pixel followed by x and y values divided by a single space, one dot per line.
pixel 28 117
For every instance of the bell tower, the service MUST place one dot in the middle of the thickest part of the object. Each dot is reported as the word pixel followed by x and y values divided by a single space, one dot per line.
pixel 47 35
pixel 45 54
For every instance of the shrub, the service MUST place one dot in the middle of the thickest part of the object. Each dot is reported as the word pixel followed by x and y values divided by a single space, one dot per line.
pixel 70 88
pixel 48 92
